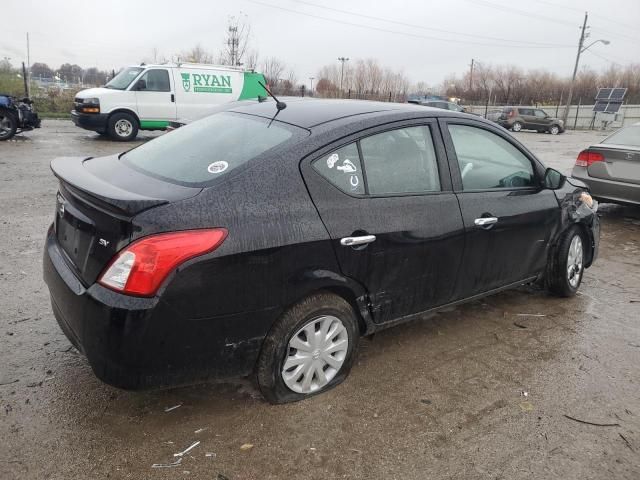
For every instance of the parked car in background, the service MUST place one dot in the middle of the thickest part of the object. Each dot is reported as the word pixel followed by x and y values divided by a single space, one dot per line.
pixel 150 97
pixel 611 168
pixel 265 239
pixel 443 104
pixel 530 118
pixel 493 115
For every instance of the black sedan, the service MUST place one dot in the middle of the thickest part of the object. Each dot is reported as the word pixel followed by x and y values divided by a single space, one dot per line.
pixel 611 168
pixel 254 243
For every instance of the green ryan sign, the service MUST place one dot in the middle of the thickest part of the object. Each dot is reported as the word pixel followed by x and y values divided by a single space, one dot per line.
pixel 207 83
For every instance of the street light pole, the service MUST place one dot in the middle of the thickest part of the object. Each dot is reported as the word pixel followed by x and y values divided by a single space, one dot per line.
pixel 342 60
pixel 311 89
pixel 565 115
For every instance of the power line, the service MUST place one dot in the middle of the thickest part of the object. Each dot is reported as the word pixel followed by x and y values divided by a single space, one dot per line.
pixel 415 35
pixel 422 27
pixel 525 13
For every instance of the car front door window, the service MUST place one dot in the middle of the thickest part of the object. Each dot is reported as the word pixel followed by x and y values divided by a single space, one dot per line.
pixel 487 161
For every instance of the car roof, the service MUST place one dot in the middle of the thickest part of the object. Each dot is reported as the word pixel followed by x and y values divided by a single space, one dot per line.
pixel 310 112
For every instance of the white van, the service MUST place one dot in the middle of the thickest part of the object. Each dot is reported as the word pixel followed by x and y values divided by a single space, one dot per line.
pixel 150 97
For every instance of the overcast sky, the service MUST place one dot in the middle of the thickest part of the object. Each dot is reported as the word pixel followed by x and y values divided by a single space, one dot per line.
pixel 411 36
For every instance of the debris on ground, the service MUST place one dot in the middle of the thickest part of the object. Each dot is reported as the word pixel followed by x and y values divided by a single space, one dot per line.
pixel 530 315
pixel 210 455
pixel 519 325
pixel 188 449
pixel 246 446
pixel 592 423
pixel 167 465
pixel 627 442
pixel 524 394
pixel 526 406
pixel 168 409
pixel 200 430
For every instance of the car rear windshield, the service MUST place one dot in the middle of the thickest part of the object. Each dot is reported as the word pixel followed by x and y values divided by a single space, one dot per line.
pixel 625 136
pixel 206 150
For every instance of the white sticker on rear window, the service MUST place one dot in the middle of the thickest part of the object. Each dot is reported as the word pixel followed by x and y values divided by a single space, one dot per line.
pixel 331 161
pixel 218 167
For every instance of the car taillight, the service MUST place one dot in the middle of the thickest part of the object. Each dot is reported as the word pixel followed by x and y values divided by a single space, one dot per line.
pixel 140 268
pixel 586 158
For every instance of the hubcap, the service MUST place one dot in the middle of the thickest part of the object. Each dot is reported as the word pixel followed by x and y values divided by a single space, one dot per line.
pixel 5 126
pixel 554 130
pixel 574 261
pixel 123 128
pixel 517 127
pixel 316 354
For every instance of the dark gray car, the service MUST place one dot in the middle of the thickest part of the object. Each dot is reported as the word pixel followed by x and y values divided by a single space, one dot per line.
pixel 611 168
pixel 530 118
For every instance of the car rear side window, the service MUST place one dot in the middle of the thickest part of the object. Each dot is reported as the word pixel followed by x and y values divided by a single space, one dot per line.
pixel 488 161
pixel 208 149
pixel 343 169
pixel 400 161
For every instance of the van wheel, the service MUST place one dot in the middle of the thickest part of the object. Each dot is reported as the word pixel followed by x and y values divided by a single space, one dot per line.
pixel 555 129
pixel 565 269
pixel 516 127
pixel 122 127
pixel 309 350
pixel 8 125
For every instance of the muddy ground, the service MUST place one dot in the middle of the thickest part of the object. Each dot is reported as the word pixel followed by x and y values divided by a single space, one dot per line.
pixel 481 391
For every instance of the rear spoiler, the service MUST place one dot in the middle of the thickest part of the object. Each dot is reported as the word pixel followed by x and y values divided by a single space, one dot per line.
pixel 72 172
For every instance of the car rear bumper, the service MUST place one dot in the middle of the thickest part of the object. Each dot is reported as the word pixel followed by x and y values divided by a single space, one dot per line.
pixel 609 190
pixel 137 343
pixel 96 122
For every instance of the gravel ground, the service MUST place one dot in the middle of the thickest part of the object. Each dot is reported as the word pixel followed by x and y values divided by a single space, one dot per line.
pixel 484 390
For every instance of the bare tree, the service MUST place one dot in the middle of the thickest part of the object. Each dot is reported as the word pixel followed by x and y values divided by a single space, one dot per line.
pixel 251 62
pixel 197 55
pixel 272 69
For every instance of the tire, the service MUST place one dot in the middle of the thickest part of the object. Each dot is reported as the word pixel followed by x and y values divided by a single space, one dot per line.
pixel 122 127
pixel 321 311
pixel 8 125
pixel 566 267
pixel 516 127
pixel 554 130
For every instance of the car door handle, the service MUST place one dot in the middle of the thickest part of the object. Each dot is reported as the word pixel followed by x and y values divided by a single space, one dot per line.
pixel 173 97
pixel 354 241
pixel 485 221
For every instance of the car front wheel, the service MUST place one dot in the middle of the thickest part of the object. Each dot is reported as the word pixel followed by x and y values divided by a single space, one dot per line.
pixel 555 129
pixel 516 127
pixel 122 127
pixel 564 274
pixel 309 350
pixel 8 125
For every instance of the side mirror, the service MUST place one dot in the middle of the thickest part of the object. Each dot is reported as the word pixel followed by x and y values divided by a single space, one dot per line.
pixel 553 179
pixel 141 85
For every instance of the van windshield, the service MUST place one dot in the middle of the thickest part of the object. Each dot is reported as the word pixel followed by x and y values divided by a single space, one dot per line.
pixel 206 150
pixel 123 79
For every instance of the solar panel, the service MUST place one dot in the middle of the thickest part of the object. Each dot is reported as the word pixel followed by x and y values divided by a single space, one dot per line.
pixel 613 107
pixel 604 93
pixel 600 106
pixel 617 94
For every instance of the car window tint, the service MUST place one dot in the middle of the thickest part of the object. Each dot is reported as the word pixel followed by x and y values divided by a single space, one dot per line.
pixel 489 161
pixel 625 136
pixel 156 81
pixel 208 149
pixel 400 161
pixel 525 111
pixel 540 114
pixel 343 169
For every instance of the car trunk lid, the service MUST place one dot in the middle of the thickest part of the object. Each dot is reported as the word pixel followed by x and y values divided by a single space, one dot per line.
pixel 621 163
pixel 96 202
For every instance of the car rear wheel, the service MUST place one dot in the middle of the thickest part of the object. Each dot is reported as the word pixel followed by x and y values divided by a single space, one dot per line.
pixel 555 129
pixel 516 127
pixel 309 350
pixel 122 127
pixel 8 125
pixel 567 267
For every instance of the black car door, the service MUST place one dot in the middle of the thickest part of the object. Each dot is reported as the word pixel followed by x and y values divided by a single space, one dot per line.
pixel 508 216
pixel 385 198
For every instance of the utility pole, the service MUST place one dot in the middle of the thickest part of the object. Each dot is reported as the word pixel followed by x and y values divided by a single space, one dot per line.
pixel 565 115
pixel 342 60
pixel 28 68
pixel 311 89
pixel 471 77
pixel 233 43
